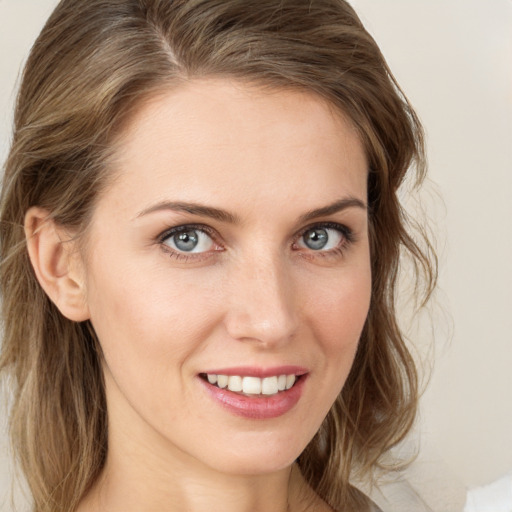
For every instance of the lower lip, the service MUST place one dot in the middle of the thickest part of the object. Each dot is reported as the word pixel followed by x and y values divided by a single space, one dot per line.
pixel 257 407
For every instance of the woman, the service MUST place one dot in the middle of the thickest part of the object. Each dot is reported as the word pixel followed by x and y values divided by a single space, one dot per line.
pixel 200 219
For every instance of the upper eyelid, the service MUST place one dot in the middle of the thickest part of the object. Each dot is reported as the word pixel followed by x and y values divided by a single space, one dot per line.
pixel 348 232
pixel 328 223
pixel 209 229
pixel 183 227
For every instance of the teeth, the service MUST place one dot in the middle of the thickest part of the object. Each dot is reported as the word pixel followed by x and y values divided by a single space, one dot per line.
pixel 235 383
pixel 252 385
pixel 267 386
pixel 290 381
pixel 222 381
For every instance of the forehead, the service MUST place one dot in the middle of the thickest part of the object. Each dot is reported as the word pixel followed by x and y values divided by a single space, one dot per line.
pixel 218 139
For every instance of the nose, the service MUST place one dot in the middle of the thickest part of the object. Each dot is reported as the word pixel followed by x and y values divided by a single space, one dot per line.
pixel 261 302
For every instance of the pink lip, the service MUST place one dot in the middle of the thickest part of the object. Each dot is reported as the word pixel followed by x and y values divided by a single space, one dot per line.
pixel 261 407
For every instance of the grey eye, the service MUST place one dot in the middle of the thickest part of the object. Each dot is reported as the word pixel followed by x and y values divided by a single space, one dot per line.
pixel 190 240
pixel 318 239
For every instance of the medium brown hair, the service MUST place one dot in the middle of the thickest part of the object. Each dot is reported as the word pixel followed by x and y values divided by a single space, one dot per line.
pixel 94 62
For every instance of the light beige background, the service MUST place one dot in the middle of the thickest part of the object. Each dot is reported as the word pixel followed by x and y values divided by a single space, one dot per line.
pixel 454 60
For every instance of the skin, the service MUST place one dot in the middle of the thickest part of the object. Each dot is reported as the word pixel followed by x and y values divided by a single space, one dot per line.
pixel 255 295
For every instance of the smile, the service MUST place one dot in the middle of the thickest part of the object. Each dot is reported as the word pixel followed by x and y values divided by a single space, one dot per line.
pixel 252 386
pixel 254 393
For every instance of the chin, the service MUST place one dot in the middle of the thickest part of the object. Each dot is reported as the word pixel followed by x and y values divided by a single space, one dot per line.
pixel 257 453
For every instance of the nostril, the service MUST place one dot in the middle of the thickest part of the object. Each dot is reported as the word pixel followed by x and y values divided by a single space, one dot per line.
pixel 270 328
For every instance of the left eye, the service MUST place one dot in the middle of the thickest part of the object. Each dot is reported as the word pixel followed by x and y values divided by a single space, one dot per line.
pixel 190 240
pixel 320 239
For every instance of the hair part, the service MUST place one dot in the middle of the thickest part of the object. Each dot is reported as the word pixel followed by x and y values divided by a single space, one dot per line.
pixel 92 66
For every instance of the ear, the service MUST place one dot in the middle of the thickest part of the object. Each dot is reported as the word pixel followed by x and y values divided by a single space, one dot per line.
pixel 57 264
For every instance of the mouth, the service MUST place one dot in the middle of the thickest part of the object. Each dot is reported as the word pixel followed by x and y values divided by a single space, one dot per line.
pixel 252 386
pixel 255 393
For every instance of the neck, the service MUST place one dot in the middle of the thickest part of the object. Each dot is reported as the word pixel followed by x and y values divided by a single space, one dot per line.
pixel 141 489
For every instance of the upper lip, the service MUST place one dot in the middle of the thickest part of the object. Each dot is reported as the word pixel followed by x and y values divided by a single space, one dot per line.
pixel 261 372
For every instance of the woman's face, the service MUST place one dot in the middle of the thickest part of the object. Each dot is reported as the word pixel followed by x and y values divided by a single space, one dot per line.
pixel 229 259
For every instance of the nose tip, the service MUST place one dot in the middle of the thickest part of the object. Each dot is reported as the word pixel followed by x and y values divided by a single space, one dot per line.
pixel 261 306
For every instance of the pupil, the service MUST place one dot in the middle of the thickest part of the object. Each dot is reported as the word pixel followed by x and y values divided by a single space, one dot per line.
pixel 316 239
pixel 186 241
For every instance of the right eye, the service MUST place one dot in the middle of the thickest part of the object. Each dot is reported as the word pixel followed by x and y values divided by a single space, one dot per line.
pixel 321 238
pixel 188 239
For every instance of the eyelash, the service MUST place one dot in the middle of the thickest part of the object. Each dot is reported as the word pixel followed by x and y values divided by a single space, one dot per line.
pixel 183 256
pixel 348 238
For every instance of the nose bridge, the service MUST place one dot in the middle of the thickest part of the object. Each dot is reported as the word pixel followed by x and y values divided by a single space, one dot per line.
pixel 261 305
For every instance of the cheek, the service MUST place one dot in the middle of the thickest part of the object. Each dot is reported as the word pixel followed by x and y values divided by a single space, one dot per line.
pixel 337 314
pixel 150 324
pixel 334 312
pixel 338 307
pixel 141 313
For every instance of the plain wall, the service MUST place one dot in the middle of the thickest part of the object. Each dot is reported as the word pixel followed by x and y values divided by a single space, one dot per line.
pixel 453 58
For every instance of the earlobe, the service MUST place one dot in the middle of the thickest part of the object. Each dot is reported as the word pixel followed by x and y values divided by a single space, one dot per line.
pixel 56 263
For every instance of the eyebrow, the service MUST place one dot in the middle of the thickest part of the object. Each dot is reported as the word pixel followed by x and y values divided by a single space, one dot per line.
pixel 194 209
pixel 231 218
pixel 337 206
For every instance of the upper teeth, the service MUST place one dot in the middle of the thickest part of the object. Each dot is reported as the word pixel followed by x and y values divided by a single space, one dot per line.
pixel 253 385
